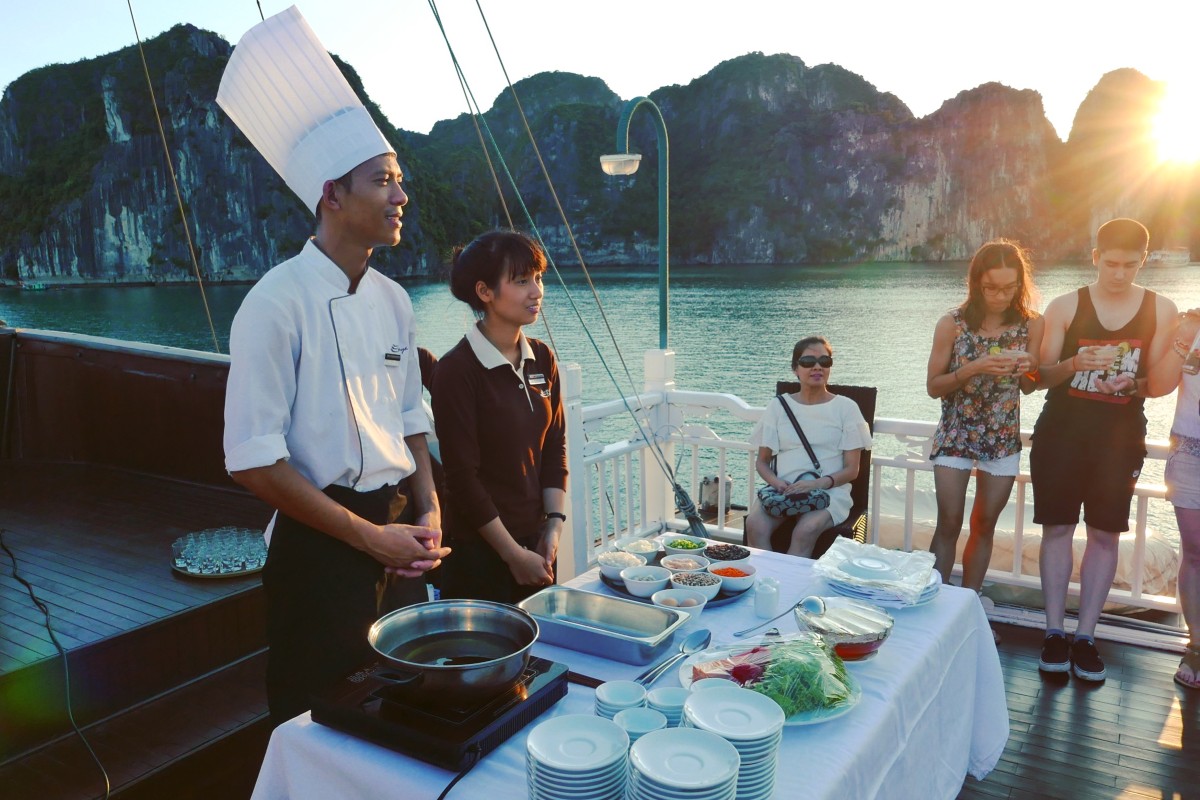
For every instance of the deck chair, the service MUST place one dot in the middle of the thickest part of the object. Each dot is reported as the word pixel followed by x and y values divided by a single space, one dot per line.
pixel 855 525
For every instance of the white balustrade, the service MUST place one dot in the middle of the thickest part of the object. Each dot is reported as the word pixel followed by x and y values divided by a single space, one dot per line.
pixel 618 483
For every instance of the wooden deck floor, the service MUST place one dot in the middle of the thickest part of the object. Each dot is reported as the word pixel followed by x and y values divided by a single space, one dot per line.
pixel 95 542
pixel 1136 735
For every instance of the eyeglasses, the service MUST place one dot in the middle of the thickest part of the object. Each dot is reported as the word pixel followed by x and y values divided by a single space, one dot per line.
pixel 808 362
pixel 1000 291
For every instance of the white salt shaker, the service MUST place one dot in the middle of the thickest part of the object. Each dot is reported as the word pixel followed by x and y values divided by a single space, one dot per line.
pixel 766 598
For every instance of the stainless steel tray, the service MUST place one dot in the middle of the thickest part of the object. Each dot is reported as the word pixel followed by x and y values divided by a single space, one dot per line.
pixel 623 630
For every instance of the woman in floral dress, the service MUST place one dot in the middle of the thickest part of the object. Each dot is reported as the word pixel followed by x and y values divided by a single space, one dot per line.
pixel 980 362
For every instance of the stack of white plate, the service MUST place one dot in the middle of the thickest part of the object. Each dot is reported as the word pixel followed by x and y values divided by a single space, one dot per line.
pixel 682 764
pixel 577 757
pixel 752 723
pixel 881 594
pixel 669 701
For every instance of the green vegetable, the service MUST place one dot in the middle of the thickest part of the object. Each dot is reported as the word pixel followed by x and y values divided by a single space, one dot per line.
pixel 685 544
pixel 804 675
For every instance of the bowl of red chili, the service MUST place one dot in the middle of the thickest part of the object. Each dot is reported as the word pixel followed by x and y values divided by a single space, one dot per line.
pixel 735 576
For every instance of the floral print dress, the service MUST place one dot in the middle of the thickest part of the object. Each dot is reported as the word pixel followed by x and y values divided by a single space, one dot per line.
pixel 982 419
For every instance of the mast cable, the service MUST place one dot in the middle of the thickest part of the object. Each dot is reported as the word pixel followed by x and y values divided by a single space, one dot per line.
pixel 655 451
pixel 685 503
pixel 174 181
pixel 475 115
pixel 462 84
pixel 554 194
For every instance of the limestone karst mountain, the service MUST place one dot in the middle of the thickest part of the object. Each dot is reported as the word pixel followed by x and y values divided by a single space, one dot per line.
pixel 772 161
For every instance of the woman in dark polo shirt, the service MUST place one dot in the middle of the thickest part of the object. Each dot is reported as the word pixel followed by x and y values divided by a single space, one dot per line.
pixel 497 407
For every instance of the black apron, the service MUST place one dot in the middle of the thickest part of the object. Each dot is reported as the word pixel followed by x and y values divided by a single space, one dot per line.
pixel 322 597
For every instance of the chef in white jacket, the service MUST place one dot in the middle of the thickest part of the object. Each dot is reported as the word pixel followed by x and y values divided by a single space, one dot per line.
pixel 323 416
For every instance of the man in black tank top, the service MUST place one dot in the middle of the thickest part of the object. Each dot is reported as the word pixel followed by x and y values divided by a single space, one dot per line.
pixel 1090 439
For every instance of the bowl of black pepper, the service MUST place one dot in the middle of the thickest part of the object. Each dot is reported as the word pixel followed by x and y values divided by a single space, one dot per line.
pixel 725 552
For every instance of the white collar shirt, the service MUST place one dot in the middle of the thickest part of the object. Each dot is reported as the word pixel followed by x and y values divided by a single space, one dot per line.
pixel 491 358
pixel 326 379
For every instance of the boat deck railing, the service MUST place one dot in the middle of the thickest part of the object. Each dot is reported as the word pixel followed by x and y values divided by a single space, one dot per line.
pixel 617 489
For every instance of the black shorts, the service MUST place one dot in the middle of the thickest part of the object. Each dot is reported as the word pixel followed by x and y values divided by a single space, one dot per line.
pixel 1072 468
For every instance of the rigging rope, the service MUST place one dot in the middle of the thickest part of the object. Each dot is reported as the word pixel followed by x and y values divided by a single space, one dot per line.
pixel 174 181
pixel 685 503
pixel 655 450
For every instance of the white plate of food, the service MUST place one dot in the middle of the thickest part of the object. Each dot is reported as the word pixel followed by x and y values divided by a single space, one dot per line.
pixel 807 705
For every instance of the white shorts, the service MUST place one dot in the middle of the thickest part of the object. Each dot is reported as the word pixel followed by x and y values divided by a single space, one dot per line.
pixel 1182 477
pixel 1006 467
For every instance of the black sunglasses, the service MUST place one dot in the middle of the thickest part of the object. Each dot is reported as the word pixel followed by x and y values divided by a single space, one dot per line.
pixel 808 362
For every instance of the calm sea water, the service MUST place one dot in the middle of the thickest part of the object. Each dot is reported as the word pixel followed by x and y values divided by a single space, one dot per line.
pixel 732 327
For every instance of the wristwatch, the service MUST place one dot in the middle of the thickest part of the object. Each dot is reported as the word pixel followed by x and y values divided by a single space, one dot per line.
pixel 556 515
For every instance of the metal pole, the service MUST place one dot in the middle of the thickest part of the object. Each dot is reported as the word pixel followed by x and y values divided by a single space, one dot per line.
pixel 664 158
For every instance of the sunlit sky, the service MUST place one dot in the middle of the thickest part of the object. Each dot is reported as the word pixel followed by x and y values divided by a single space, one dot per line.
pixel 923 51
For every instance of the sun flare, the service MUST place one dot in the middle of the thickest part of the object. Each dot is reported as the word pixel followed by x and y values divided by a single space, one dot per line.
pixel 1177 125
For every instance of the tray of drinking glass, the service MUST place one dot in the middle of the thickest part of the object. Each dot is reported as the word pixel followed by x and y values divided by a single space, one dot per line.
pixel 219 553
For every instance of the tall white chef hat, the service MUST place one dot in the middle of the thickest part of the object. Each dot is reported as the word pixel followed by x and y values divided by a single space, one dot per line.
pixel 287 96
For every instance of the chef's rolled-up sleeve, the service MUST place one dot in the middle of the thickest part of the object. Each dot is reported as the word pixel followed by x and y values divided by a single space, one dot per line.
pixel 261 387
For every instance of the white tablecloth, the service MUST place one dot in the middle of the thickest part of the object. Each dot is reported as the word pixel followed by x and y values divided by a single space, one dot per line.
pixel 932 710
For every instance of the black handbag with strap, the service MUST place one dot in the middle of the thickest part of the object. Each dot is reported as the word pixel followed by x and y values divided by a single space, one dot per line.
pixel 778 504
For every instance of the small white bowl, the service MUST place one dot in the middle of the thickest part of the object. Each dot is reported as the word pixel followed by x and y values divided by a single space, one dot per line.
pixel 621 694
pixel 734 584
pixel 637 722
pixel 667 699
pixel 675 598
pixel 685 562
pixel 697 551
pixel 613 571
pixel 709 590
pixel 646 548
pixel 644 588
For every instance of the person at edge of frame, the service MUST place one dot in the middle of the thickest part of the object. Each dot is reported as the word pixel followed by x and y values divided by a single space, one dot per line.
pixel 1089 442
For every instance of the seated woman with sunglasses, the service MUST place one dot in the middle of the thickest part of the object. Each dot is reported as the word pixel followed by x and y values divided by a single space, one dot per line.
pixel 809 484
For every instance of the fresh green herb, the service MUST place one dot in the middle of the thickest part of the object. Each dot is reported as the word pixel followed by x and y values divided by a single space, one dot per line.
pixel 804 676
pixel 685 544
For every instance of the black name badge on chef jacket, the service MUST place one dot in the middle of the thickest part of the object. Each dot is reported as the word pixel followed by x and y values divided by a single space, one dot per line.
pixel 394 356
pixel 537 380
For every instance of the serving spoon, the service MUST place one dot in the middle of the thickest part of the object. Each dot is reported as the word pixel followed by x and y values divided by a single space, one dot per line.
pixel 693 643
pixel 813 604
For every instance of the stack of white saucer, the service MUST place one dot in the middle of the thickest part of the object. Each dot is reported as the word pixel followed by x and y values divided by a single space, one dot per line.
pixel 614 696
pixel 577 757
pixel 669 700
pixel 682 764
pixel 752 723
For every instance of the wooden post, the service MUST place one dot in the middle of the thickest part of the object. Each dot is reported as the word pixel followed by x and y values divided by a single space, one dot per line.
pixel 660 377
pixel 575 548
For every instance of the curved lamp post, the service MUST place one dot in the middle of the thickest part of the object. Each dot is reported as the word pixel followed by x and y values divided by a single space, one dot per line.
pixel 626 163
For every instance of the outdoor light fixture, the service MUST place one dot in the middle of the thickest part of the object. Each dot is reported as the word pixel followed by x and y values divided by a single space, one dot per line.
pixel 621 164
pixel 626 163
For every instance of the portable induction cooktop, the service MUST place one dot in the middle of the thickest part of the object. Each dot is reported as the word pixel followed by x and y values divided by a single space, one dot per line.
pixel 365 704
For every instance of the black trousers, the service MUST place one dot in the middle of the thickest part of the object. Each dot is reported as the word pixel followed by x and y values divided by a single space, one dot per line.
pixel 322 597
